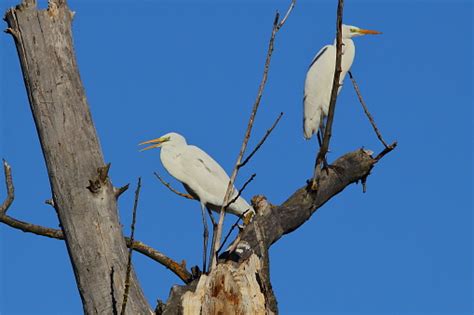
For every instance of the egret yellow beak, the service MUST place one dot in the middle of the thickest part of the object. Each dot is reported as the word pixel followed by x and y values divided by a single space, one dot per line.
pixel 155 143
pixel 365 32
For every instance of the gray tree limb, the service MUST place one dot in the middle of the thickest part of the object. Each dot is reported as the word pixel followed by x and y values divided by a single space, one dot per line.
pixel 250 249
pixel 178 269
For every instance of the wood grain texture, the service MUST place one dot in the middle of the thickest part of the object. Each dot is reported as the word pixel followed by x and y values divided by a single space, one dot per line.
pixel 229 289
pixel 83 196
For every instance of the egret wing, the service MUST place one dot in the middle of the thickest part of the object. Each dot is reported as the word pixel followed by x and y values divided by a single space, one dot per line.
pixel 317 89
pixel 206 177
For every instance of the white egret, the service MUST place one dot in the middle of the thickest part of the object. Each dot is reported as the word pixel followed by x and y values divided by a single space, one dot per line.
pixel 202 177
pixel 320 76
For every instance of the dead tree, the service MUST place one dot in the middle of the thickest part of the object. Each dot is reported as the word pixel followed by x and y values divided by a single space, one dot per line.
pixel 86 200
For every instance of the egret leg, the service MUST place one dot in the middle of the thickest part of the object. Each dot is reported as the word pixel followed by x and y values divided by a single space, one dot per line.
pixel 214 227
pixel 320 140
pixel 206 238
pixel 319 135
pixel 326 166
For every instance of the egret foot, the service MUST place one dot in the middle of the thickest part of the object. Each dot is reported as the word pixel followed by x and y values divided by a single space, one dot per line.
pixel 248 217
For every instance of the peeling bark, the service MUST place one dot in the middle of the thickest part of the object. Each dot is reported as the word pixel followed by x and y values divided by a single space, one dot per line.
pixel 230 289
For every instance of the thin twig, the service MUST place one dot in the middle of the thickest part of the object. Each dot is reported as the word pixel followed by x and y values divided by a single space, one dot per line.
pixel 282 22
pixel 385 151
pixel 269 131
pixel 177 269
pixel 236 223
pixel 10 189
pixel 239 193
pixel 188 196
pixel 277 24
pixel 130 252
pixel 366 110
pixel 242 216
pixel 332 104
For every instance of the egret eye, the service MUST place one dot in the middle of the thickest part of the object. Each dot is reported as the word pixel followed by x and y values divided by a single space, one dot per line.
pixel 353 30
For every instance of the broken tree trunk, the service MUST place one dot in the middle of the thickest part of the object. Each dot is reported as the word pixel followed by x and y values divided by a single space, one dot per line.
pixel 83 195
pixel 240 284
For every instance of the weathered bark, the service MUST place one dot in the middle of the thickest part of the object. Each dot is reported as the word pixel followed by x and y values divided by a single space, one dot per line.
pixel 276 221
pixel 82 193
pixel 241 282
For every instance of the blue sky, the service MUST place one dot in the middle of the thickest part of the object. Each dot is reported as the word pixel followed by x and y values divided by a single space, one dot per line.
pixel 404 247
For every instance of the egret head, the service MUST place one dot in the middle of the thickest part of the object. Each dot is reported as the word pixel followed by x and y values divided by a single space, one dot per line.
pixel 171 138
pixel 349 31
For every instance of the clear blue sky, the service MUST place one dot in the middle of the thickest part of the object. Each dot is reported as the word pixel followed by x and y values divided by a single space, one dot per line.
pixel 404 247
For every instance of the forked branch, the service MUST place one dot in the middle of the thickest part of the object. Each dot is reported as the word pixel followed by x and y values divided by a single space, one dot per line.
pixel 176 268
pixel 17 224
pixel 366 111
pixel 257 147
pixel 277 25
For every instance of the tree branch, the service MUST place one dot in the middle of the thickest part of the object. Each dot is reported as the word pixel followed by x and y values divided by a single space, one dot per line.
pixel 366 111
pixel 269 131
pixel 332 104
pixel 168 185
pixel 275 221
pixel 385 151
pixel 277 24
pixel 119 191
pixel 177 269
pixel 239 193
pixel 17 224
pixel 10 189
pixel 130 251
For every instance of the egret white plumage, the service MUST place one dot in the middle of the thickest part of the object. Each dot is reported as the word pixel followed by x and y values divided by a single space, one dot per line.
pixel 320 76
pixel 202 177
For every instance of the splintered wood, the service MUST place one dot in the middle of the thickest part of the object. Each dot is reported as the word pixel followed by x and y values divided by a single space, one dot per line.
pixel 228 289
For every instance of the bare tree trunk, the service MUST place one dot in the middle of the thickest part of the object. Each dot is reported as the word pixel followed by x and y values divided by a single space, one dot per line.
pixel 83 196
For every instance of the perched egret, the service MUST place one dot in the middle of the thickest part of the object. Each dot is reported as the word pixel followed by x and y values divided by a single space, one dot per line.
pixel 202 177
pixel 320 76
